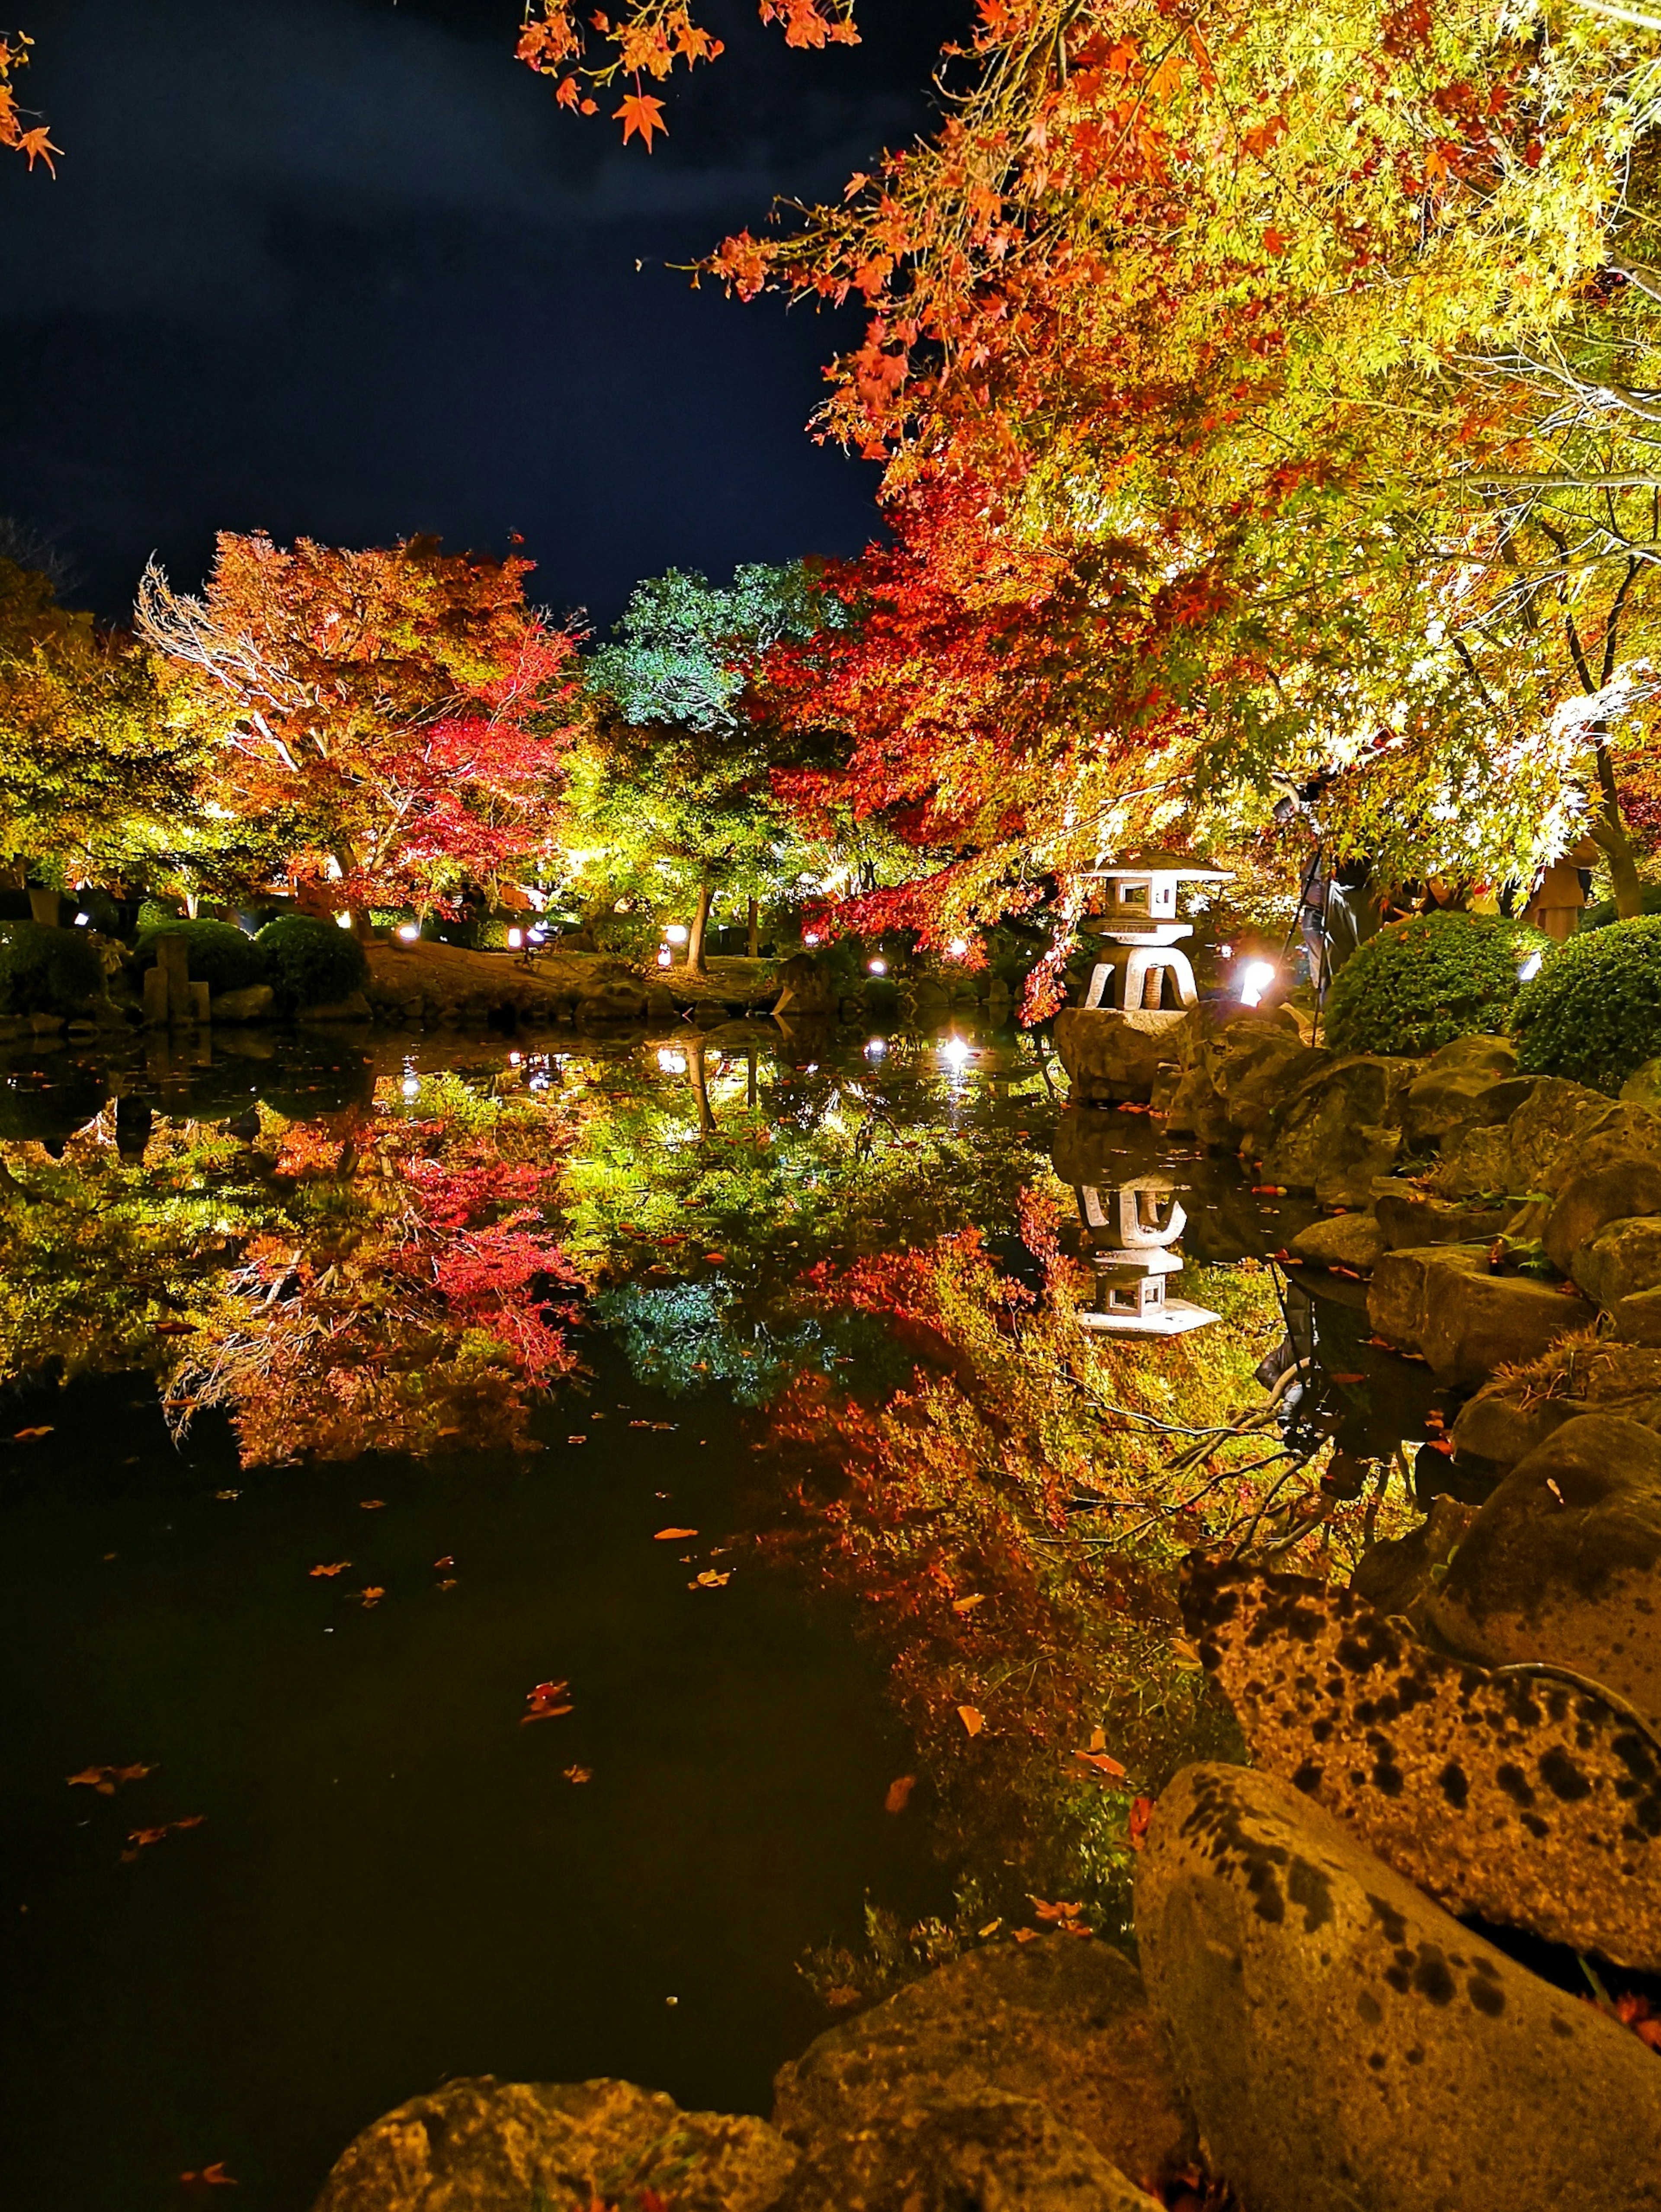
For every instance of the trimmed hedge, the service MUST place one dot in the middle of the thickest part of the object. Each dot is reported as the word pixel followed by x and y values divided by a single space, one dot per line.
pixel 1593 1013
pixel 44 971
pixel 1422 982
pixel 309 962
pixel 221 955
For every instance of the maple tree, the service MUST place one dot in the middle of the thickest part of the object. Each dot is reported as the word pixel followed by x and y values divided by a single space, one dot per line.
pixel 396 720
pixel 30 140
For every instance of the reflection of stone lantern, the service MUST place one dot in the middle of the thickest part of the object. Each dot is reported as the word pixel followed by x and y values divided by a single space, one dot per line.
pixel 1141 932
pixel 1128 1232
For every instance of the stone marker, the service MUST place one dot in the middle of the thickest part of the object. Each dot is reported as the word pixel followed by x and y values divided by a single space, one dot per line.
pixel 1346 2046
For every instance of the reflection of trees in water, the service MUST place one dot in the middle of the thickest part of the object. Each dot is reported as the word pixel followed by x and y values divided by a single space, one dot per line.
pixel 388 1277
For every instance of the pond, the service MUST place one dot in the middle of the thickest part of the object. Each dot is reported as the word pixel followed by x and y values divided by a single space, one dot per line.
pixel 738 1565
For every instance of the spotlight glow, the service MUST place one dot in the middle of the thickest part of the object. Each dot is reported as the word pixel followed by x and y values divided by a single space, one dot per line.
pixel 409 931
pixel 877 966
pixel 665 957
pixel 876 1048
pixel 958 948
pixel 678 933
pixel 672 1063
pixel 343 920
pixel 515 939
pixel 1259 975
pixel 410 1086
pixel 810 937
pixel 1531 968
pixel 954 1052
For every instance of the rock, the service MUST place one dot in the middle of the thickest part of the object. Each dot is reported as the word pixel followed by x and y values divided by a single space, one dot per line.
pixel 992 2153
pixel 353 1007
pixel 1643 1087
pixel 805 986
pixel 1563 1562
pixel 660 1004
pixel 1522 1800
pixel 1396 1578
pixel 1637 1318
pixel 1621 1259
pixel 1441 1300
pixel 1482 1165
pixel 1488 1055
pixel 617 1001
pixel 481 2145
pixel 1548 1126
pixel 1348 2047
pixel 253 1003
pixel 1408 1216
pixel 1446 1100
pixel 1592 1196
pixel 1349 1240
pixel 1061 2021
pixel 1110 1056
pixel 1340 1128
pixel 1259 1063
pixel 1501 1424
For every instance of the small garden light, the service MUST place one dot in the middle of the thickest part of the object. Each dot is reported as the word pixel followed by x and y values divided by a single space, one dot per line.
pixel 1259 975
pixel 958 948
pixel 409 931
pixel 877 966
pixel 515 939
pixel 954 1052
pixel 810 937
pixel 672 1063
pixel 876 1048
pixel 678 933
pixel 665 957
pixel 343 920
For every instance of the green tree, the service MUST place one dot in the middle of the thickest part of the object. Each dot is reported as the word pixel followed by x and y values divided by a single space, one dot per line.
pixel 675 784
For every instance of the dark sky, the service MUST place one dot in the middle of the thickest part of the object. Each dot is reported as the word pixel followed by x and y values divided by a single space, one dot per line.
pixel 339 268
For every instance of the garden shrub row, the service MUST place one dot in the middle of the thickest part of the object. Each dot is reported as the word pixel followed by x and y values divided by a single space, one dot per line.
pixel 308 963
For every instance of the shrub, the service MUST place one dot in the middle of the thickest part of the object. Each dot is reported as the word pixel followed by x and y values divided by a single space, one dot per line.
pixel 221 955
pixel 153 913
pixel 1424 981
pixel 1593 1013
pixel 309 962
pixel 44 971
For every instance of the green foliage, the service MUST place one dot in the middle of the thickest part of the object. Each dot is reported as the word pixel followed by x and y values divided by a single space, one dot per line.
pixel 1421 983
pixel 1593 1013
pixel 309 962
pixel 44 971
pixel 221 955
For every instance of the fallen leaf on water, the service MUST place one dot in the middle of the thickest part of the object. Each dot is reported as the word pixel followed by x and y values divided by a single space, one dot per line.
pixel 446 1561
pixel 543 1702
pixel 716 1258
pixel 973 1722
pixel 334 1567
pixel 27 1436
pixel 142 1838
pixel 899 1794
pixel 1057 1911
pixel 579 1773
pixel 841 1994
pixel 990 1928
pixel 373 1595
pixel 709 1579
pixel 1141 1812
pixel 370 1504
pixel 224 1495
pixel 214 2176
pixel 1026 1934
pixel 448 1582
pixel 1347 1378
pixel 673 1535
pixel 576 1440
pixel 174 1328
pixel 1101 1761
pixel 968 1604
pixel 107 1780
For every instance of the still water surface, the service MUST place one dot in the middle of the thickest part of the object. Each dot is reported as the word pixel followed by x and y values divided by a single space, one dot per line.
pixel 395 1878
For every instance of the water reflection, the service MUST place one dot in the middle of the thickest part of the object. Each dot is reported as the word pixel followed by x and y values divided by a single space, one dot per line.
pixel 1128 1233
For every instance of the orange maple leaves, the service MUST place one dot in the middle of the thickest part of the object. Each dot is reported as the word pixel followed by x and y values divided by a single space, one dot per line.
pixel 647 39
pixel 34 144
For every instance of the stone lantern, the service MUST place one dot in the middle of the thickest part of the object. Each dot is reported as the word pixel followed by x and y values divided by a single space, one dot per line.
pixel 1128 1233
pixel 1141 960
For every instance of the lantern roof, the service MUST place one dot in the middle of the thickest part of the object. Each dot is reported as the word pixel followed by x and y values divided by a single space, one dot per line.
pixel 1192 866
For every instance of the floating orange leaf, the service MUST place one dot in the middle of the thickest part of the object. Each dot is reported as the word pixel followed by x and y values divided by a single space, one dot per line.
pixel 107 1780
pixel 28 1436
pixel 973 1721
pixel 334 1567
pixel 899 1794
pixel 673 1535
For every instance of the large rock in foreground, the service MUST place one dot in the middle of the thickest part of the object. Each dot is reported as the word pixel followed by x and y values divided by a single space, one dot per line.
pixel 1110 1056
pixel 1340 1128
pixel 1563 1562
pixel 1062 2023
pixel 1524 1800
pixel 486 2146
pixel 1347 2046
pixel 1442 1300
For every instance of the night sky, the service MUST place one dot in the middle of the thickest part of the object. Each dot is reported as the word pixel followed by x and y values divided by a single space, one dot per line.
pixel 340 269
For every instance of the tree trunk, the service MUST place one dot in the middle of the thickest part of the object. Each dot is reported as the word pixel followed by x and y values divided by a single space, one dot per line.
pixel 700 924
pixel 697 1075
pixel 1611 833
pixel 755 931
pixel 362 926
